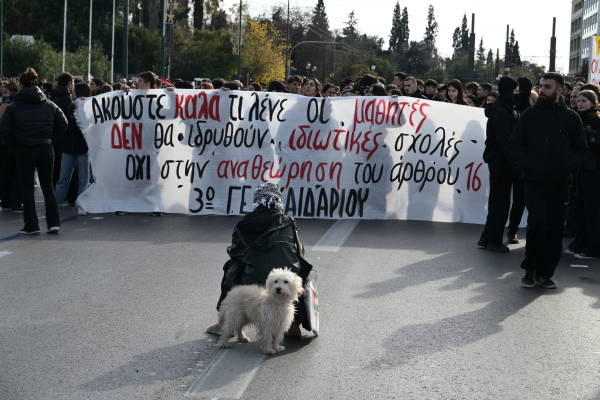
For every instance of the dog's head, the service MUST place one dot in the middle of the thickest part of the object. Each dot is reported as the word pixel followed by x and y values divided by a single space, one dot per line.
pixel 283 282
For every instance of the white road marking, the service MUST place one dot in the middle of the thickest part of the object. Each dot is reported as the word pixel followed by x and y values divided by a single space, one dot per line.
pixel 336 236
pixel 5 253
pixel 230 373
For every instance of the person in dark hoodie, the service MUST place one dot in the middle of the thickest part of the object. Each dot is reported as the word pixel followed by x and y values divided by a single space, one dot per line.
pixel 525 87
pixel 31 123
pixel 411 89
pixel 263 240
pixel 74 151
pixel 61 96
pixel 586 205
pixel 504 174
pixel 548 144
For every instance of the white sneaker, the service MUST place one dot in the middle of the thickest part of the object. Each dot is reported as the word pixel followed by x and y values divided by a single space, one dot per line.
pixel 569 252
pixel 80 211
pixel 53 229
pixel 582 256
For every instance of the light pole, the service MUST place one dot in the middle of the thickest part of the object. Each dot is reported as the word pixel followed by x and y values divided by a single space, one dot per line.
pixel 112 51
pixel 90 44
pixel 64 38
pixel 287 41
pixel 291 51
pixel 125 39
pixel 162 38
pixel 240 45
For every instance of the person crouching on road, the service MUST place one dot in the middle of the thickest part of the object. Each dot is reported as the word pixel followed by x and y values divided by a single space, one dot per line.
pixel 548 144
pixel 504 173
pixel 31 122
pixel 263 240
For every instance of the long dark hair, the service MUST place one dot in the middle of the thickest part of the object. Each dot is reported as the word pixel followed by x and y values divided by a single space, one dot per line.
pixel 81 90
pixel 317 86
pixel 460 99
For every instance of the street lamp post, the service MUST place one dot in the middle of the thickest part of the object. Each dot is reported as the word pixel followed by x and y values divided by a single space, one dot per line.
pixel 125 39
pixel 291 51
pixel 287 41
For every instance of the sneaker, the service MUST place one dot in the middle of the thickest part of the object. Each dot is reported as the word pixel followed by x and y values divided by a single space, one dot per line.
pixel 53 229
pixel 294 331
pixel 16 210
pixel 24 232
pixel 570 252
pixel 498 248
pixel 512 238
pixel 545 282
pixel 80 211
pixel 483 243
pixel 528 279
pixel 583 256
pixel 215 329
pixel 157 214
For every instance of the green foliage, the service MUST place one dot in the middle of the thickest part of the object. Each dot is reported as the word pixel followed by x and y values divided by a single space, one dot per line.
pixel 207 54
pixel 47 62
pixel 438 74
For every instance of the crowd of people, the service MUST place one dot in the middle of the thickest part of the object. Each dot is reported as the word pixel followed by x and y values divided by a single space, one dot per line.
pixel 541 137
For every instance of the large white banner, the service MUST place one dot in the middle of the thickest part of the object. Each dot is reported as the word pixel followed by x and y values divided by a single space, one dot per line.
pixel 204 152
pixel 594 61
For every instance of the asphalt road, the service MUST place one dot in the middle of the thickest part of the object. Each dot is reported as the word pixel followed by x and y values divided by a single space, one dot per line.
pixel 115 308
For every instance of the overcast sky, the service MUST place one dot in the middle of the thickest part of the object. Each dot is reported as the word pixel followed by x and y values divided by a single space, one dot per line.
pixel 531 20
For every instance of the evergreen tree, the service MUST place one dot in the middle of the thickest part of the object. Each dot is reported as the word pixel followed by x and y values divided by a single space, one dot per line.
pixel 516 55
pixel 396 32
pixel 481 52
pixel 405 30
pixel 464 35
pixel 490 57
pixel 432 28
pixel 511 42
pixel 350 31
pixel 456 44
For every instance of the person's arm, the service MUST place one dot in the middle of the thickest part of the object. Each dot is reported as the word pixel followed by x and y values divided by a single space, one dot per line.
pixel 518 142
pixel 60 124
pixel 578 143
pixel 502 122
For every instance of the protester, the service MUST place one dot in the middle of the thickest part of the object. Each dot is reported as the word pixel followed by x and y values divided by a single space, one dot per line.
pixel 573 99
pixel 263 240
pixel 123 81
pixel 347 83
pixel 482 93
pixel 471 88
pixel 533 98
pixel 548 144
pixel 312 88
pixel 586 207
pixel 32 138
pixel 381 79
pixel 278 87
pixel 399 78
pixel 218 83
pixel 421 85
pixel 95 85
pixel 11 197
pixel 455 92
pixel 471 100
pixel 504 174
pixel 46 89
pixel 74 150
pixel 295 83
pixel 411 89
pixel 441 94
pixel 430 89
pixel 61 96
pixel 377 90
pixel 391 87
pixel 490 98
pixel 525 87
pixel 255 86
pixel 329 90
pixel 206 86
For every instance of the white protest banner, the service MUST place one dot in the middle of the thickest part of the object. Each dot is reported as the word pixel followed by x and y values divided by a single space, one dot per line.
pixel 594 63
pixel 204 152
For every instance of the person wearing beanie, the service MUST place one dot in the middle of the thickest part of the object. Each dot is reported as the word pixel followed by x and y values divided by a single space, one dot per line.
pixel 548 144
pixel 525 87
pixel 263 240
pixel 504 175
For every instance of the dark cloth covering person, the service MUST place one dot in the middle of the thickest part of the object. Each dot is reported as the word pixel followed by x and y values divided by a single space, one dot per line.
pixel 263 240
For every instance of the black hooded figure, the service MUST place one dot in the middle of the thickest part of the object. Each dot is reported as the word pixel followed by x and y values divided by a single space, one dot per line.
pixel 525 87
pixel 504 174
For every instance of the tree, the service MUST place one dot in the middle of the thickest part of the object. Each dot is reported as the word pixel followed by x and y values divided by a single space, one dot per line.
pixel 415 61
pixel 350 31
pixel 405 30
pixel 516 55
pixel 481 52
pixel 431 30
pixel 262 54
pixel 456 44
pixel 490 57
pixel 396 32
pixel 198 14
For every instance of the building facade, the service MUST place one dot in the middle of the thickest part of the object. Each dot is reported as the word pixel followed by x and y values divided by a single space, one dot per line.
pixel 584 26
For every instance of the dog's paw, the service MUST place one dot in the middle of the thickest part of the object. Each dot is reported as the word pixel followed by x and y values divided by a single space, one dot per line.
pixel 243 339
pixel 280 348
pixel 269 351
pixel 225 345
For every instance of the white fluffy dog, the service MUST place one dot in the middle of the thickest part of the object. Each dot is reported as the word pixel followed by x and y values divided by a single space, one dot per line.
pixel 270 309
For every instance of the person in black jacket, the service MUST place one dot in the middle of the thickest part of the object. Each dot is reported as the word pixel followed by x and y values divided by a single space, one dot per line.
pixel 30 123
pixel 548 144
pixel 61 96
pixel 504 174
pixel 74 149
pixel 411 89
pixel 586 205
pixel 11 195
pixel 525 87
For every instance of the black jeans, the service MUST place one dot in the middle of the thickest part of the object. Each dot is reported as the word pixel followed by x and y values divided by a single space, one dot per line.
pixel 501 180
pixel 11 195
pixel 545 226
pixel 587 214
pixel 30 158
